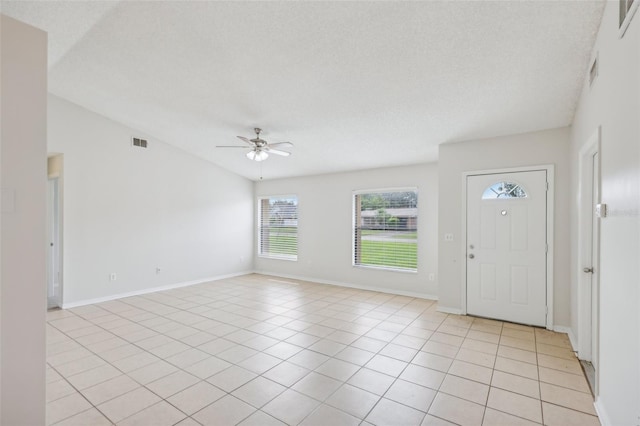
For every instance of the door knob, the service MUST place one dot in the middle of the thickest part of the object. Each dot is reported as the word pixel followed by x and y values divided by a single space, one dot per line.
pixel 587 270
pixel 471 256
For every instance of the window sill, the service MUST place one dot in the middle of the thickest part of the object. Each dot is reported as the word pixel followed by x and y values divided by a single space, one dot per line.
pixel 276 257
pixel 386 268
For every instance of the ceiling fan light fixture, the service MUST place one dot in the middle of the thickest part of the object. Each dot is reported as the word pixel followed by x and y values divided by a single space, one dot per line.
pixel 257 155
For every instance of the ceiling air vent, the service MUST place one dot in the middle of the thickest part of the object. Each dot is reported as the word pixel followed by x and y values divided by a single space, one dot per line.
pixel 593 71
pixel 142 143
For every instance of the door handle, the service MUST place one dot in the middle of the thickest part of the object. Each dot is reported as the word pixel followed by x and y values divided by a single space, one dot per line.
pixel 471 256
pixel 587 270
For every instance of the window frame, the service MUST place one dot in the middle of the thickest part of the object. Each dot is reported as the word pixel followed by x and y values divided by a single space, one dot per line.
pixel 354 226
pixel 261 198
pixel 624 18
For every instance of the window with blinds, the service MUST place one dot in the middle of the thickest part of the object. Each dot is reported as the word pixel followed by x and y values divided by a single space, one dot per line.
pixel 278 227
pixel 386 229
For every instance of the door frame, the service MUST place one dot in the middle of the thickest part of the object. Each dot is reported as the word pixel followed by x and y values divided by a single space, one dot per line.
pixel 585 227
pixel 54 217
pixel 550 169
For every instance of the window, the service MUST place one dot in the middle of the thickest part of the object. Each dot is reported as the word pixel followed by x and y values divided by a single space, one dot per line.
pixel 386 229
pixel 278 227
pixel 504 190
pixel 627 10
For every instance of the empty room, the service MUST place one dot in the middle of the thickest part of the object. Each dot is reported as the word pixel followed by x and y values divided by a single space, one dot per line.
pixel 320 213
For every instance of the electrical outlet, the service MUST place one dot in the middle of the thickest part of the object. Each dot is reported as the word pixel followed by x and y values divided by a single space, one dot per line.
pixel 448 237
pixel 113 276
pixel 157 270
pixel 432 277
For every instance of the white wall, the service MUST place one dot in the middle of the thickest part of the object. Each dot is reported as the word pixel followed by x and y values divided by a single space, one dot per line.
pixel 129 210
pixel 528 149
pixel 614 103
pixel 23 177
pixel 325 205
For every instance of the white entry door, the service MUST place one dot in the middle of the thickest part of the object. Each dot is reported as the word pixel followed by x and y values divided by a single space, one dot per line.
pixel 506 246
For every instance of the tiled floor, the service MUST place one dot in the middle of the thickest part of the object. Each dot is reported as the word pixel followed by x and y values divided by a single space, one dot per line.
pixel 256 350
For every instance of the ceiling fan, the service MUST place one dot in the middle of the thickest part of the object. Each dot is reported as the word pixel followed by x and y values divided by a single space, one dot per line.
pixel 260 149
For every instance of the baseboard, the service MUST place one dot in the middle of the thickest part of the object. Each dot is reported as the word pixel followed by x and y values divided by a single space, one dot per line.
pixel 569 332
pixel 150 290
pixel 350 285
pixel 447 310
pixel 602 413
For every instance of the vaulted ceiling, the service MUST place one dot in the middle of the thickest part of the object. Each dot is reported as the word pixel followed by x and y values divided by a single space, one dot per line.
pixel 353 85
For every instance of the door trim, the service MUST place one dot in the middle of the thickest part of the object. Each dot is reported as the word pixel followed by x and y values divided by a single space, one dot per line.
pixel 584 291
pixel 550 169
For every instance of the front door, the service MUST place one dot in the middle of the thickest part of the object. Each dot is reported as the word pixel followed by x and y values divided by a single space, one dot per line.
pixel 507 245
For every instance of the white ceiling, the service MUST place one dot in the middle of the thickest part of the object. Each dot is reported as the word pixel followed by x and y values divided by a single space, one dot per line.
pixel 353 85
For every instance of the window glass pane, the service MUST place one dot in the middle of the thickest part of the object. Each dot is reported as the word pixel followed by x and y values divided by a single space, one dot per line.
pixel 386 229
pixel 504 190
pixel 278 227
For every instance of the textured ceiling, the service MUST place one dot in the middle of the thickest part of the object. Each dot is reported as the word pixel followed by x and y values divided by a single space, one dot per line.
pixel 353 85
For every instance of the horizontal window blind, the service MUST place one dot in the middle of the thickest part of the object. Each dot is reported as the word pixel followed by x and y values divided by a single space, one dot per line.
pixel 278 227
pixel 386 229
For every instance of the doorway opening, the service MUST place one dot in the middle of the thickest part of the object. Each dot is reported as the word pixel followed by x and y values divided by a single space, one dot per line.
pixel 54 231
pixel 588 272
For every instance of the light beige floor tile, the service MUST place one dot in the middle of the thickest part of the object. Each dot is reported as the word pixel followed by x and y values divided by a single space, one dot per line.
pixel 286 373
pixel 134 362
pixel 568 398
pixel 188 422
pixel 355 355
pixel 465 389
pixel 68 356
pixel 187 358
pixel 470 371
pixel 517 384
pixel 498 418
pixel 516 404
pixel 527 345
pixel 456 410
pixel 433 361
pixel 65 407
pixel 81 365
pixel 453 330
pixel 386 365
pixel 411 394
pixel 259 391
pixel 308 359
pixel 327 415
pixel 517 354
pixel 260 362
pixel 353 400
pixel 562 364
pixel 423 376
pixel 327 347
pixel 371 381
pixel 556 351
pixel 58 389
pixel 409 341
pixel 387 412
pixel 401 353
pixel 430 420
pixel 160 414
pixel 260 418
pixel 172 384
pixel 228 410
pixel 237 354
pixel 126 405
pixel 337 369
pixel 567 380
pixel 518 333
pixel 231 378
pixel 94 376
pixel 474 357
pixel 291 407
pixel 152 372
pixel 483 336
pixel 207 367
pixel 447 339
pixel 480 346
pixel 302 339
pixel 369 344
pixel 89 417
pixel 317 386
pixel 110 389
pixel 440 349
pixel 216 346
pixel 555 415
pixel 518 368
pixel 283 350
pixel 343 337
pixel 196 397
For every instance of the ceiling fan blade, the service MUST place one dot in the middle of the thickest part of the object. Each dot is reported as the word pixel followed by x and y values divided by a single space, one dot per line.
pixel 231 146
pixel 276 151
pixel 245 139
pixel 282 144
